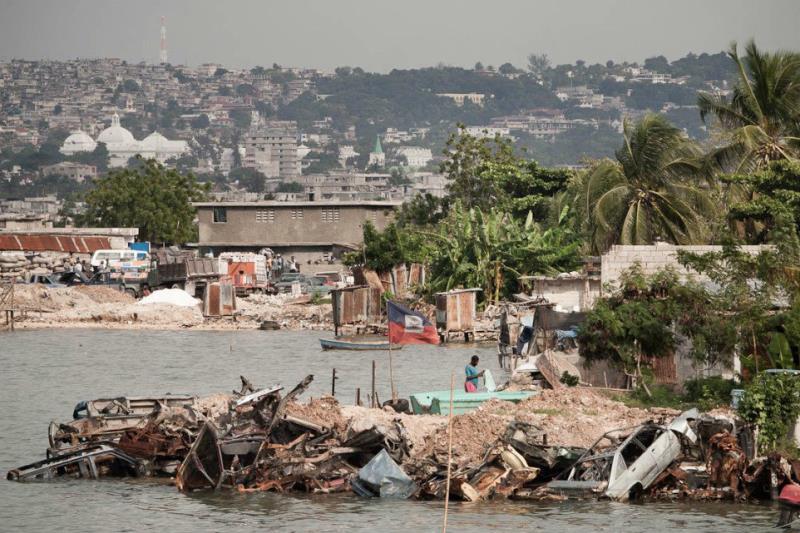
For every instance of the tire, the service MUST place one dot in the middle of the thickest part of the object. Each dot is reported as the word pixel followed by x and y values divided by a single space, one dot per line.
pixel 131 292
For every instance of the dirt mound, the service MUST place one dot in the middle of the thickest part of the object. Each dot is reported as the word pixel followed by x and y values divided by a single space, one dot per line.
pixel 473 434
pixel 323 411
pixel 575 416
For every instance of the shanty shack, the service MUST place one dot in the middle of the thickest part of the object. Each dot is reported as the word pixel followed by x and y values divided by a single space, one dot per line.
pixel 358 306
pixel 455 312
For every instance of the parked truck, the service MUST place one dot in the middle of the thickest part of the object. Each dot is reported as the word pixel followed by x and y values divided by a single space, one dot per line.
pixel 247 271
pixel 188 273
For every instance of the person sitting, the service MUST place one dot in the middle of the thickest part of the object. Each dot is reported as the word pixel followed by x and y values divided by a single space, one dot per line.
pixel 471 371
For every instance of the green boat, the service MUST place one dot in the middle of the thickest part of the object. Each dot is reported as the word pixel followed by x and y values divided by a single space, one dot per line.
pixel 438 402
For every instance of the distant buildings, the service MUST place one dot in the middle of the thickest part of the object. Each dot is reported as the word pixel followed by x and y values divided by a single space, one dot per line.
pixel 416 156
pixel 74 171
pixel 459 98
pixel 272 150
pixel 122 145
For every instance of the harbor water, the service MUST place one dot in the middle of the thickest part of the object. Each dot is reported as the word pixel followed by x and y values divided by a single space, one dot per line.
pixel 45 373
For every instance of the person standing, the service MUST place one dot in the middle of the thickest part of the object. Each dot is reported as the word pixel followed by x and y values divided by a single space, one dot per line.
pixel 472 374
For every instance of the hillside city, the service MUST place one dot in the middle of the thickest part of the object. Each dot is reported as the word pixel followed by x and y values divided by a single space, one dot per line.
pixel 305 134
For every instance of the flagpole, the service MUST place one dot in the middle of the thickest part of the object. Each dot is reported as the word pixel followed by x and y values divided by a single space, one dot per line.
pixel 391 365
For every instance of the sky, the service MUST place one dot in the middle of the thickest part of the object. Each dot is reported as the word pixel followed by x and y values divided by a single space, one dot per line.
pixel 379 35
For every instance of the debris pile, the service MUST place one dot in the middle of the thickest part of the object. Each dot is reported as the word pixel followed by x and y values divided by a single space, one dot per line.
pixel 548 447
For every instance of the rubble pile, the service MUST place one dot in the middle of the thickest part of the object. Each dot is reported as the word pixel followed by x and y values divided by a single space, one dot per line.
pixel 287 311
pixel 96 306
pixel 548 447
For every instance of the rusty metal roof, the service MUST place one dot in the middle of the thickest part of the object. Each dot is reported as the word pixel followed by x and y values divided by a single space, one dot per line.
pixel 55 243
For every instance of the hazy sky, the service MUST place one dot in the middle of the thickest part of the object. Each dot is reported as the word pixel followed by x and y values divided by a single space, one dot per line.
pixel 381 35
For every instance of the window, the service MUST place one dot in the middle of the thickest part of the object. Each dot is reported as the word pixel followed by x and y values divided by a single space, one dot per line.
pixel 220 214
pixel 265 215
pixel 330 215
pixel 297 214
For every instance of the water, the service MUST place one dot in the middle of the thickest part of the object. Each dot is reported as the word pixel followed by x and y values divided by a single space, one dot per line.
pixel 46 372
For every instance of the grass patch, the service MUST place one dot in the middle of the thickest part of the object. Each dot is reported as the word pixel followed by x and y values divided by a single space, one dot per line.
pixel 546 411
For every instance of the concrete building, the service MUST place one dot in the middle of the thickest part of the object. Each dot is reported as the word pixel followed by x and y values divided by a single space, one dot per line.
pixel 416 156
pixel 273 151
pixel 74 171
pixel 652 258
pixel 316 233
pixel 459 98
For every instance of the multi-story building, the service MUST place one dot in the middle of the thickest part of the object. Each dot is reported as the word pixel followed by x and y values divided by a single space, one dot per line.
pixel 313 232
pixel 272 150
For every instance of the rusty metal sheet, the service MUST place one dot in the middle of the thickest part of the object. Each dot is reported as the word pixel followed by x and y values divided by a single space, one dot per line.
pixel 52 243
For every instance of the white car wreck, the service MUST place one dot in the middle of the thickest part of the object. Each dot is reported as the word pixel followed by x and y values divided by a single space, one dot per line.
pixel 619 470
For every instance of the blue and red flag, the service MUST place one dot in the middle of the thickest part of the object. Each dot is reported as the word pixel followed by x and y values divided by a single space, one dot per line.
pixel 409 327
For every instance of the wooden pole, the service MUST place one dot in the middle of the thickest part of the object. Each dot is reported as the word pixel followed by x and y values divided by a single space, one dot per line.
pixel 391 374
pixel 372 402
pixel 358 396
pixel 449 451
pixel 333 383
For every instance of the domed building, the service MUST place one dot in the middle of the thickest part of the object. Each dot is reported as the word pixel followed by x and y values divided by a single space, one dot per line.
pixel 78 141
pixel 159 147
pixel 122 145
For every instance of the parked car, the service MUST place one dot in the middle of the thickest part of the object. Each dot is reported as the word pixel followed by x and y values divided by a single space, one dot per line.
pixel 48 280
pixel 317 285
pixel 286 281
pixel 621 470
pixel 107 279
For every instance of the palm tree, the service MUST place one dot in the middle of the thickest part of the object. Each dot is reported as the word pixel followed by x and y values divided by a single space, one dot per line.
pixel 650 192
pixel 761 119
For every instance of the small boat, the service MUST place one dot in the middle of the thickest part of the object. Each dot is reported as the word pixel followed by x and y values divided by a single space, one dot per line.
pixel 438 402
pixel 339 344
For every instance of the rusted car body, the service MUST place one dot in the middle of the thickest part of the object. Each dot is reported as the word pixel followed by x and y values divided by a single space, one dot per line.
pixel 619 466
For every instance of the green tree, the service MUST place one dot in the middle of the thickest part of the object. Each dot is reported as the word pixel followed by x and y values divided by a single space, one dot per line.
pixel 650 192
pixel 201 122
pixel 289 186
pixel 761 119
pixel 152 198
pixel 249 178
pixel 772 199
pixel 486 173
pixel 538 64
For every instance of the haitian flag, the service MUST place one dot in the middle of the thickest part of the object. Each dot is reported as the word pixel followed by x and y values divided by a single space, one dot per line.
pixel 409 327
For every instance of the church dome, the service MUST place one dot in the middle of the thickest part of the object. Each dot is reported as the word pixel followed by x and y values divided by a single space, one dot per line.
pixel 78 141
pixel 116 134
pixel 154 141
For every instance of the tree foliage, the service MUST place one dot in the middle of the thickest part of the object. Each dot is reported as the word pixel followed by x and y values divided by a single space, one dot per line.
pixel 156 200
pixel 761 120
pixel 652 191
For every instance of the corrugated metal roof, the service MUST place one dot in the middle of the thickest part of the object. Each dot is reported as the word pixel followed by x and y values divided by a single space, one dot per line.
pixel 52 243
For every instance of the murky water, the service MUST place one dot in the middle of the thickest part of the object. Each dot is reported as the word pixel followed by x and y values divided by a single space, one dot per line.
pixel 44 373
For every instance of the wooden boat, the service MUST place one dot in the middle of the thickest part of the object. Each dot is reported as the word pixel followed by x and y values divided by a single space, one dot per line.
pixel 341 344
pixel 438 402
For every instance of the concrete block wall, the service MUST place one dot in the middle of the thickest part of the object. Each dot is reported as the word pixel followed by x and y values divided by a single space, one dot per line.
pixel 652 257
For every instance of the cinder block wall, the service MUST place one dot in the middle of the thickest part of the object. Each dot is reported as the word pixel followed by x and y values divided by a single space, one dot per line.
pixel 652 257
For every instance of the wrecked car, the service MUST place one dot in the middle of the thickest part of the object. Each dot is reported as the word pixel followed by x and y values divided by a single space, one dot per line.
pixel 620 467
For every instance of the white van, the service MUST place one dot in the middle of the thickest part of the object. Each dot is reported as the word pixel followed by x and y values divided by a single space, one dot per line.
pixel 112 257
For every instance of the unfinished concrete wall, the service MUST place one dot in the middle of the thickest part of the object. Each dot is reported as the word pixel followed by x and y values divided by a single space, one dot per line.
pixel 652 257
pixel 569 294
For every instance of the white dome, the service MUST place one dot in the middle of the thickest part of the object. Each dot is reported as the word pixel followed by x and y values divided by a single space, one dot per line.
pixel 78 141
pixel 115 134
pixel 154 141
